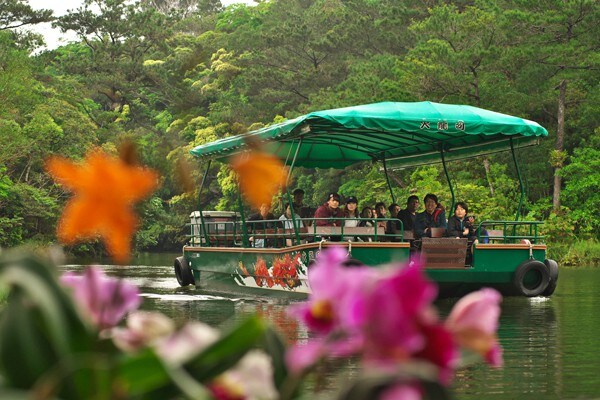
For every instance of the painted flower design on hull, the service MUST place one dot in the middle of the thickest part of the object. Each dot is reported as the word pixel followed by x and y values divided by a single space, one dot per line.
pixel 285 271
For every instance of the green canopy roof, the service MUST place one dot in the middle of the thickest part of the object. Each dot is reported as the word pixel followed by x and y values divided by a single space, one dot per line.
pixel 401 133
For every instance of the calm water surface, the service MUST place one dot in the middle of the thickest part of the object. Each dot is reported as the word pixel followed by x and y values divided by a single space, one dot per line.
pixel 551 346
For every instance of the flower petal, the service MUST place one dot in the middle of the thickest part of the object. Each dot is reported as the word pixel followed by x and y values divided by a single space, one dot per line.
pixel 105 189
pixel 104 300
pixel 300 357
pixel 260 175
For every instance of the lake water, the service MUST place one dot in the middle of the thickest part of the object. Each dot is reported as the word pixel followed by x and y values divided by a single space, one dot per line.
pixel 551 345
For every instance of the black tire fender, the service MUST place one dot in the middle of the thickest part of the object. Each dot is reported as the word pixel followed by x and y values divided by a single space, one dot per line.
pixel 553 271
pixel 539 285
pixel 183 271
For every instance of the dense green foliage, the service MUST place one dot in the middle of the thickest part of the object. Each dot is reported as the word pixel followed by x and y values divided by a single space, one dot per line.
pixel 186 73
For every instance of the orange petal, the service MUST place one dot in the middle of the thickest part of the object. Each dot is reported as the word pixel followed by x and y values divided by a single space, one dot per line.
pixel 78 221
pixel 64 171
pixel 260 175
pixel 104 189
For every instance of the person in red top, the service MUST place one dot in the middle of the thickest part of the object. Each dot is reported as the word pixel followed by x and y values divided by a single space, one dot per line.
pixel 331 209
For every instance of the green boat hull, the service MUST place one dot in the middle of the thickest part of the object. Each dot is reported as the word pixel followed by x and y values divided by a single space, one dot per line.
pixel 513 269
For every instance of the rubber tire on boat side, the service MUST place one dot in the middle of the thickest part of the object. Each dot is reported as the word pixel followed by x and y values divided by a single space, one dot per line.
pixel 553 271
pixel 522 270
pixel 183 272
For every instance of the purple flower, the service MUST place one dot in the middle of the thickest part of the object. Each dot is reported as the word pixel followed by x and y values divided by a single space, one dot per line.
pixel 397 307
pixel 102 299
pixel 336 301
pixel 335 309
pixel 386 315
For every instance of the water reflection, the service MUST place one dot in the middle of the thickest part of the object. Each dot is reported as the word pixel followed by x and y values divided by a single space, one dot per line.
pixel 528 332
pixel 550 345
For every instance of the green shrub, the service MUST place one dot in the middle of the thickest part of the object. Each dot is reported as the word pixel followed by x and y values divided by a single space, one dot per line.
pixel 583 253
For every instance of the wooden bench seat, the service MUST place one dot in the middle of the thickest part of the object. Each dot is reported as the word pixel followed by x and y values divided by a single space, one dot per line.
pixel 447 253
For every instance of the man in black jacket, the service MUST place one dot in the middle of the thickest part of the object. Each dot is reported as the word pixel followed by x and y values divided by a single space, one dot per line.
pixel 407 216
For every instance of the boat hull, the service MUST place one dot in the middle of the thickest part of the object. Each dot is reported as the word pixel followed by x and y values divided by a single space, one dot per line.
pixel 283 272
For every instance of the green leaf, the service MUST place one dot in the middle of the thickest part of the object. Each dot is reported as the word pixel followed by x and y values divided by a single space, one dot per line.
pixel 142 373
pixel 225 353
pixel 40 330
pixel 276 348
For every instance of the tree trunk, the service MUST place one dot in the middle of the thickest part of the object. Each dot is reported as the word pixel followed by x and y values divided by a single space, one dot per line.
pixel 560 134
pixel 486 165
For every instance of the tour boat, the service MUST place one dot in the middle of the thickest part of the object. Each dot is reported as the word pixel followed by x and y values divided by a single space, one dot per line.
pixel 223 253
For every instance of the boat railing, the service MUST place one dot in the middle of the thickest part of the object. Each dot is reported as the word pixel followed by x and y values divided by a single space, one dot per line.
pixel 495 231
pixel 283 233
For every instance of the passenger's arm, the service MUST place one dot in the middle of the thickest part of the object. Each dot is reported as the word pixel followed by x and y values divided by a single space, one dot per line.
pixel 419 226
pixel 443 223
pixel 321 214
pixel 453 230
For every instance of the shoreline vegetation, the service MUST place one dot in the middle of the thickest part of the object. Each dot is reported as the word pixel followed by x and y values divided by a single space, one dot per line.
pixel 580 253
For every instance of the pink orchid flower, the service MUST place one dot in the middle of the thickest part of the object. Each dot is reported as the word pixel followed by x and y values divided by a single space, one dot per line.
pixel 336 300
pixel 394 306
pixel 384 314
pixel 102 299
pixel 143 328
pixel 403 324
pixel 250 379
pixel 474 321
pixel 186 343
pixel 387 317
pixel 335 309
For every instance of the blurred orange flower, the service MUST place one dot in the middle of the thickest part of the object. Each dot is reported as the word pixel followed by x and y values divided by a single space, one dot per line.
pixel 105 189
pixel 260 175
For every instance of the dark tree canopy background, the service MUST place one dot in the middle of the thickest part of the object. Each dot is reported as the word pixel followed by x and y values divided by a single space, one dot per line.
pixel 172 74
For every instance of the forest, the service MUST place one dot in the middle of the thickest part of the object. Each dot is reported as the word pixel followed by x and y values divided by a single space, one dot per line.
pixel 169 75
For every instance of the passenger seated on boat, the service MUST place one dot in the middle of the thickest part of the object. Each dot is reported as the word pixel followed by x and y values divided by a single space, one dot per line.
pixel 484 234
pixel 351 216
pixel 461 225
pixel 286 218
pixel 287 223
pixel 393 227
pixel 408 215
pixel 366 221
pixel 298 202
pixel 380 213
pixel 434 216
pixel 260 221
pixel 300 209
pixel 330 210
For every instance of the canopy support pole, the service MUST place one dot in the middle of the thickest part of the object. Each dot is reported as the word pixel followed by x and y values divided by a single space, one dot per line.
pixel 387 178
pixel 287 191
pixel 521 187
pixel 204 233
pixel 447 178
pixel 245 241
